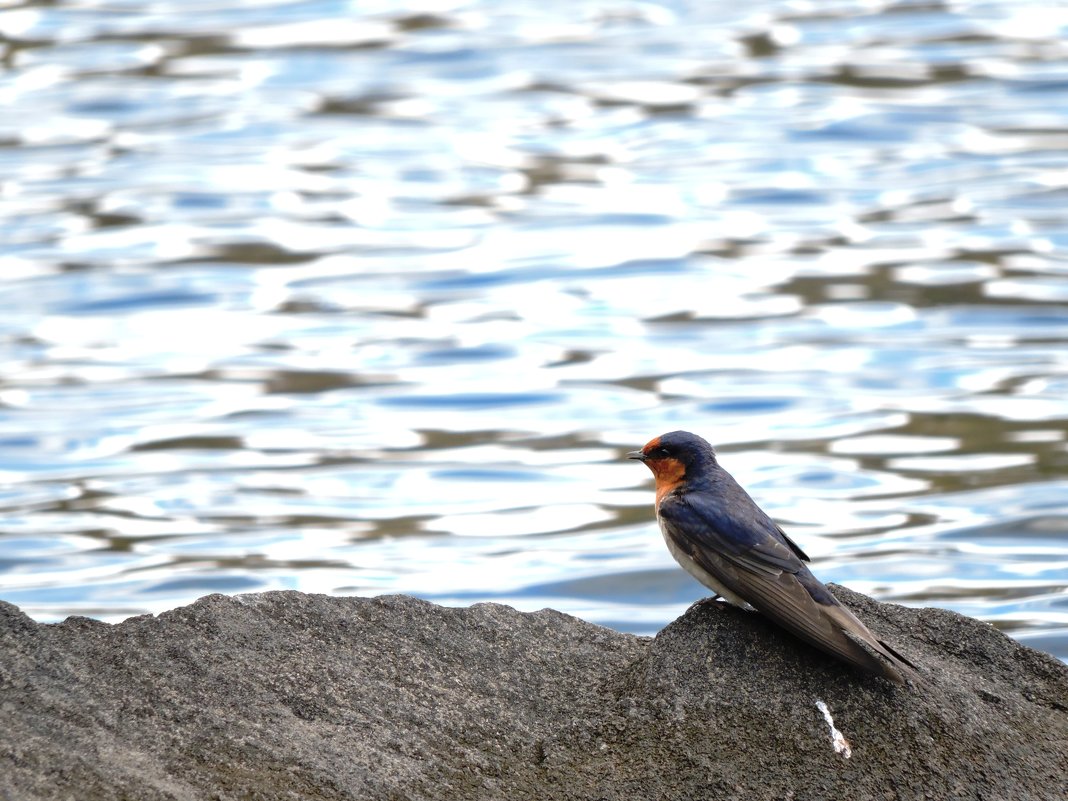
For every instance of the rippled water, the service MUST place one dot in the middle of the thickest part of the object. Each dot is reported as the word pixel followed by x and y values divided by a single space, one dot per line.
pixel 372 297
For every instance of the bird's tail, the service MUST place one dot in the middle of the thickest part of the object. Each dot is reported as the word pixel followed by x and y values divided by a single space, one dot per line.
pixel 867 651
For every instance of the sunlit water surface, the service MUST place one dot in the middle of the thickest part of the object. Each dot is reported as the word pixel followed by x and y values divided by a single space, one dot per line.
pixel 358 298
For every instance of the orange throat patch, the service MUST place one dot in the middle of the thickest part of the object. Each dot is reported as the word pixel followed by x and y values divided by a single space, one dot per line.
pixel 669 474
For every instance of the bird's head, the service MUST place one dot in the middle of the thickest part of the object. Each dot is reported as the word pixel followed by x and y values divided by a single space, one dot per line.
pixel 674 458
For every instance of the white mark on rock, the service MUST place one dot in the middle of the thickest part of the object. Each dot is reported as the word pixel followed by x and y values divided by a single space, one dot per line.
pixel 838 740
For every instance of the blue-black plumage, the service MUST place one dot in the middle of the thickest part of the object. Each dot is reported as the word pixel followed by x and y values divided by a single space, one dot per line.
pixel 724 540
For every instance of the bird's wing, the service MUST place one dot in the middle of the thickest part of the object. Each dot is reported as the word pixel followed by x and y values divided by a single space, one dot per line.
pixel 793 545
pixel 744 554
pixel 730 523
pixel 831 627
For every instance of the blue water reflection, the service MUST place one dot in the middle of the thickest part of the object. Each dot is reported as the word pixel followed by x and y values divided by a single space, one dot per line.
pixel 366 298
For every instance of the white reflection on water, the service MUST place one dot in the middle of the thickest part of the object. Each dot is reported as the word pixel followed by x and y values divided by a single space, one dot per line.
pixel 373 299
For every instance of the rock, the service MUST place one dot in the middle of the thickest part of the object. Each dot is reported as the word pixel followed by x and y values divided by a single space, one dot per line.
pixel 284 695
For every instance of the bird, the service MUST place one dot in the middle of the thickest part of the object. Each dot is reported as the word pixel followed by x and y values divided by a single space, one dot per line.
pixel 719 535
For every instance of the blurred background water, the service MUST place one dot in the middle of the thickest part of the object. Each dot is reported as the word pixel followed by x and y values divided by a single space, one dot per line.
pixel 366 297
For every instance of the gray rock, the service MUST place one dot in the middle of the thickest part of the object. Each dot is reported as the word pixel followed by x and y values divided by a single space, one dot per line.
pixel 290 696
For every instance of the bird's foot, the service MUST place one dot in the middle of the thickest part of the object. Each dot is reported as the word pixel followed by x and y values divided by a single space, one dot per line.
pixel 702 601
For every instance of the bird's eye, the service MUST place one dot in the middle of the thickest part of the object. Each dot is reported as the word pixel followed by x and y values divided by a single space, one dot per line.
pixel 659 453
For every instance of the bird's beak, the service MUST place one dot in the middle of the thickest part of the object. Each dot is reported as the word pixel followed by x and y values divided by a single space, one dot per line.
pixel 636 455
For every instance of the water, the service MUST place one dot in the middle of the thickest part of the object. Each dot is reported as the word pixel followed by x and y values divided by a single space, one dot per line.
pixel 373 297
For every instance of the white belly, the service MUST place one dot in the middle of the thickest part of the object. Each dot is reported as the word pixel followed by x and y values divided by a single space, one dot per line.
pixel 702 575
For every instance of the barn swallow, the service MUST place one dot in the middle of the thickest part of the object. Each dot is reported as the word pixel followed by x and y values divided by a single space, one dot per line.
pixel 725 541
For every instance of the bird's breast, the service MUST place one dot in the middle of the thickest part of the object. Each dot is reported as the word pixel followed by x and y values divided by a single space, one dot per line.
pixel 680 555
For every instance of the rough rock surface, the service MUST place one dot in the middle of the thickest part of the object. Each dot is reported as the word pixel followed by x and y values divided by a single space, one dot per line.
pixel 290 696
